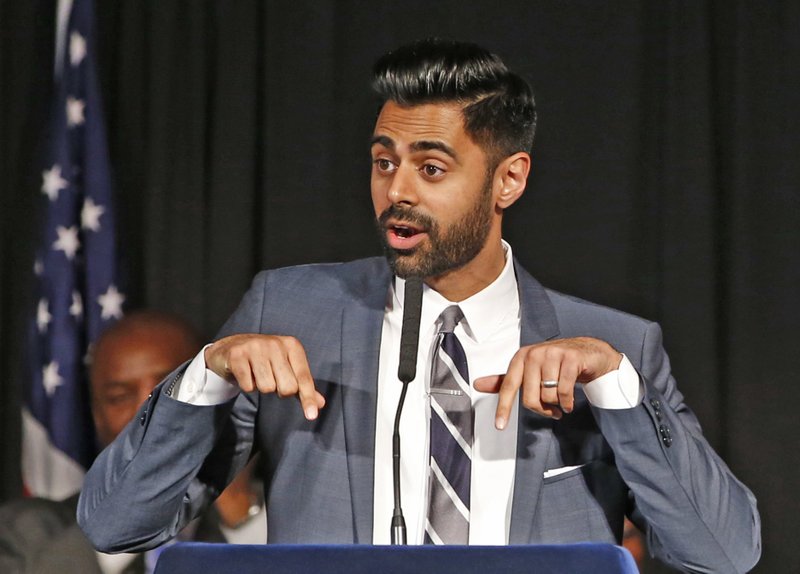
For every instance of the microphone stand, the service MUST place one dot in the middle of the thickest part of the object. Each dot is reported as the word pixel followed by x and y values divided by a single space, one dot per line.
pixel 398 522
pixel 406 371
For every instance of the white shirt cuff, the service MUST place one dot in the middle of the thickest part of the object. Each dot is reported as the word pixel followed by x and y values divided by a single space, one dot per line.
pixel 620 389
pixel 201 386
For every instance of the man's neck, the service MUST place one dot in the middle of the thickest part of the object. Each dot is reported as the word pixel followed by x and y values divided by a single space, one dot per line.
pixel 475 276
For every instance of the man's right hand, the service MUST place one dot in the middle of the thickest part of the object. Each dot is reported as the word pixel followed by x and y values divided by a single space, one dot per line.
pixel 269 363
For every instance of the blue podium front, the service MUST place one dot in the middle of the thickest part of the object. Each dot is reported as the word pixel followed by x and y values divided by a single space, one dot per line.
pixel 196 558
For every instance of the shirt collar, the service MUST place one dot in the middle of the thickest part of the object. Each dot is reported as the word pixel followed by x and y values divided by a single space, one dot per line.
pixel 484 312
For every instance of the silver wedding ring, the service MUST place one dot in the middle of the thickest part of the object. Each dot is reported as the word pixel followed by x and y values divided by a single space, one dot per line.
pixel 549 384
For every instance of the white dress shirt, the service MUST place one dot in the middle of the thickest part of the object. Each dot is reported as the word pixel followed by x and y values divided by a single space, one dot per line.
pixel 489 333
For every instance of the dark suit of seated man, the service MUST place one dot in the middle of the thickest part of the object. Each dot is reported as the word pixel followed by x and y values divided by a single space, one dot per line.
pixel 572 419
pixel 42 536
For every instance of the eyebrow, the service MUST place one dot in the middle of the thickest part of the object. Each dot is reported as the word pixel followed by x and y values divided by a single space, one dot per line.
pixel 422 145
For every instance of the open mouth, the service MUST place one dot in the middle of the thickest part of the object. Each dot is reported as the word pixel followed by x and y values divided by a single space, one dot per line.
pixel 403 235
pixel 403 231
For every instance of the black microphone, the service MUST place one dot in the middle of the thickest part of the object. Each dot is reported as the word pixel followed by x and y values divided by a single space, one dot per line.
pixel 406 371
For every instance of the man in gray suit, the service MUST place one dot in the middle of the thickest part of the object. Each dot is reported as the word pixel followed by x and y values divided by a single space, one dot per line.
pixel 577 419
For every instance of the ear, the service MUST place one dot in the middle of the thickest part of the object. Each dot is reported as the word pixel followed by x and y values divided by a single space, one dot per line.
pixel 511 177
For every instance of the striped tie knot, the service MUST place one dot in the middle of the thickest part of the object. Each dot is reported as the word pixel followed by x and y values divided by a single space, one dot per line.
pixel 450 317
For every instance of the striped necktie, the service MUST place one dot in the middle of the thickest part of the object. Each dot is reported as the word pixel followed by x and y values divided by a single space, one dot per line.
pixel 451 438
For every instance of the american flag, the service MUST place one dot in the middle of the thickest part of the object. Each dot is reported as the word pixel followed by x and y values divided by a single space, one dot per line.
pixel 77 293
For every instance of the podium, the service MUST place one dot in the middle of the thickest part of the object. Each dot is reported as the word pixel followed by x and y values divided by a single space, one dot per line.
pixel 198 558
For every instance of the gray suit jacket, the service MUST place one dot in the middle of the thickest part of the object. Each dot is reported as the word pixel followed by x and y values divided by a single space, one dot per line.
pixel 650 461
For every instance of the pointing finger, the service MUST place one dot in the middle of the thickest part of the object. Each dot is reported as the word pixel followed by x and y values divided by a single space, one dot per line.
pixel 508 392
pixel 306 391
pixel 489 384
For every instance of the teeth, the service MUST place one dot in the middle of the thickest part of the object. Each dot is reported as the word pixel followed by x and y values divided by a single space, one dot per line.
pixel 403 231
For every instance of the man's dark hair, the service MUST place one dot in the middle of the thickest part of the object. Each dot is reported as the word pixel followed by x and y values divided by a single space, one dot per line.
pixel 498 105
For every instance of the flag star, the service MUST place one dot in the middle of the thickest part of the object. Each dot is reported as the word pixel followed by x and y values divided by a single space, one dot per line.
pixel 52 182
pixel 51 379
pixel 67 241
pixel 76 309
pixel 87 358
pixel 90 215
pixel 75 109
pixel 43 316
pixel 111 301
pixel 77 48
pixel 38 267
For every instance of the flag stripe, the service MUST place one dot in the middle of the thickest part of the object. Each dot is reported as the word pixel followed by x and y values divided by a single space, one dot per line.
pixel 46 468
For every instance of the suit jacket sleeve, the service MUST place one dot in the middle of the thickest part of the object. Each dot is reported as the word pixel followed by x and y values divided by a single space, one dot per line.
pixel 171 461
pixel 700 517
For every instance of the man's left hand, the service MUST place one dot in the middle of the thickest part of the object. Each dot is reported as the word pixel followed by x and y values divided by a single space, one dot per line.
pixel 565 361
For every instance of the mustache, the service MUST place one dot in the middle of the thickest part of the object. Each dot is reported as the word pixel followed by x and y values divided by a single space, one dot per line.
pixel 406 215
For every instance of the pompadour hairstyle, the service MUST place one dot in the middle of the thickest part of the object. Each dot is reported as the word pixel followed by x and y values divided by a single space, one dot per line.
pixel 498 105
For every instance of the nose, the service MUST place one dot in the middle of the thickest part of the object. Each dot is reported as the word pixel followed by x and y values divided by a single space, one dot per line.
pixel 402 190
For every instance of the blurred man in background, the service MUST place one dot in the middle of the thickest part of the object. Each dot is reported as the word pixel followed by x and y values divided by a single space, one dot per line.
pixel 129 360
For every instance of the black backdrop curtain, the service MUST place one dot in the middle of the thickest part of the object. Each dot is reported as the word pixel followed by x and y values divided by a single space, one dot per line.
pixel 665 175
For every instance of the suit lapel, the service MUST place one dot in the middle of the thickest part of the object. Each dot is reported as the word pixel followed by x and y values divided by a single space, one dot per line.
pixel 534 435
pixel 362 321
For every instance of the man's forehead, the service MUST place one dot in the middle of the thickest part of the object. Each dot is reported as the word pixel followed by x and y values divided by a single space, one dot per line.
pixel 433 126
pixel 423 122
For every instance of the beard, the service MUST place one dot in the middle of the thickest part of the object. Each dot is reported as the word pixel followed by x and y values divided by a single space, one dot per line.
pixel 447 248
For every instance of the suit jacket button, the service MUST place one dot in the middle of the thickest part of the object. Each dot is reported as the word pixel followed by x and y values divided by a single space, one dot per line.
pixel 656 404
pixel 666 435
